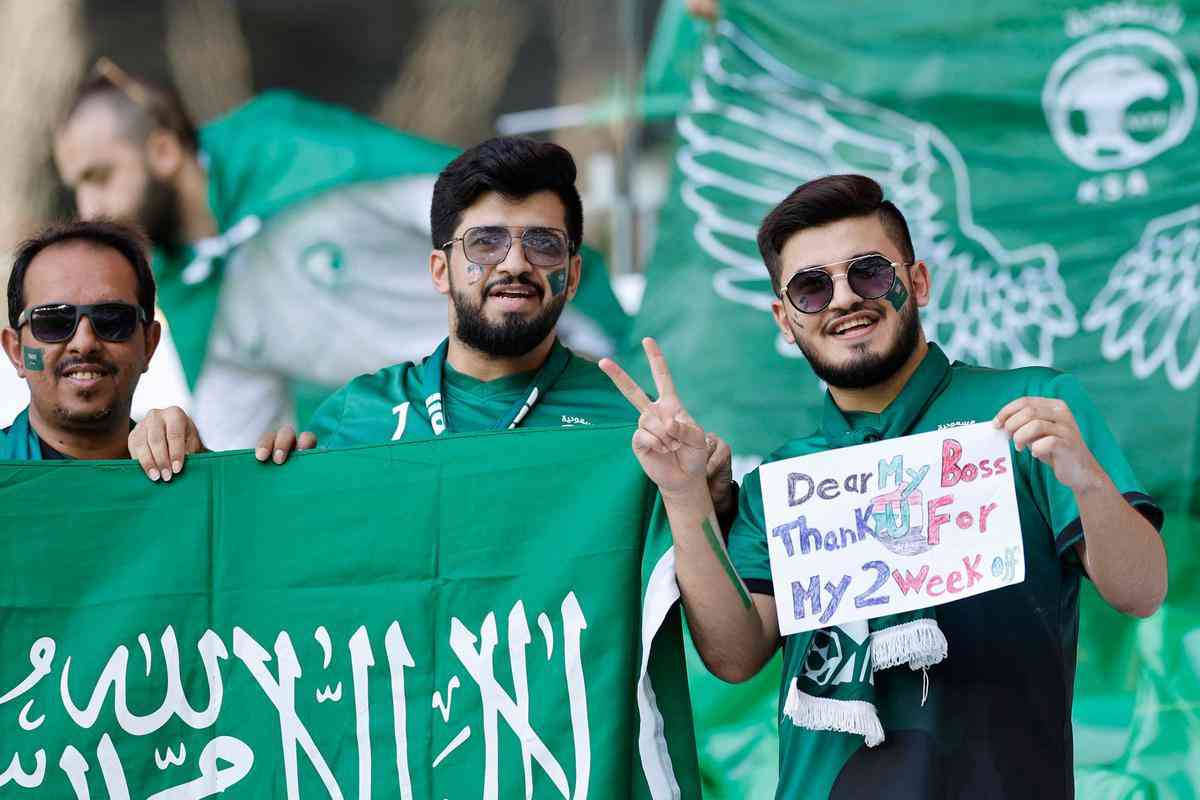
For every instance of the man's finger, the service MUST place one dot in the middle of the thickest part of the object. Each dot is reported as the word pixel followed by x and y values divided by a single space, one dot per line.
pixel 262 450
pixel 646 442
pixel 307 441
pixel 156 440
pixel 651 423
pixel 627 385
pixel 140 451
pixel 718 456
pixel 688 432
pixel 176 425
pixel 285 443
pixel 194 443
pixel 659 369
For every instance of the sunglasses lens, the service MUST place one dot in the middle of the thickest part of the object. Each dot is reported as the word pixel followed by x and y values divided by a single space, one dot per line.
pixel 810 290
pixel 52 323
pixel 486 245
pixel 871 277
pixel 544 247
pixel 114 322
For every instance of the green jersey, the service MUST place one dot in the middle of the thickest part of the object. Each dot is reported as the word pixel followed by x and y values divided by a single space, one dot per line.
pixel 415 401
pixel 995 717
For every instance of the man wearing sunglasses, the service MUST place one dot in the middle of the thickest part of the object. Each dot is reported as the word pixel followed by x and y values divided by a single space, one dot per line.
pixel 507 223
pixel 81 333
pixel 994 720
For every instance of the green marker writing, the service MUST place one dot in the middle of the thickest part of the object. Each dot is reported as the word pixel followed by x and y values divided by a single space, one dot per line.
pixel 33 358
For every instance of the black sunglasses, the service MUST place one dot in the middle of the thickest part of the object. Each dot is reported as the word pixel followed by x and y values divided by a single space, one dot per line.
pixel 56 322
pixel 870 276
pixel 488 245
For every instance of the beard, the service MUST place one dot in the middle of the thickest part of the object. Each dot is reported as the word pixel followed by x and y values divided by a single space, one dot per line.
pixel 870 369
pixel 158 213
pixel 515 335
pixel 93 420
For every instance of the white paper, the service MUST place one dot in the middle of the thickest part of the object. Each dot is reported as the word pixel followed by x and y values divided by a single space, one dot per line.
pixel 891 526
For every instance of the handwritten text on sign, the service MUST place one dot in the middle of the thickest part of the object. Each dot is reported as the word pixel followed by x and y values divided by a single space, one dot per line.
pixel 891 526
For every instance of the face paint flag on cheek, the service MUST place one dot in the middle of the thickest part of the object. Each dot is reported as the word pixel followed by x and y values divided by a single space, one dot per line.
pixel 33 358
pixel 897 295
pixel 557 281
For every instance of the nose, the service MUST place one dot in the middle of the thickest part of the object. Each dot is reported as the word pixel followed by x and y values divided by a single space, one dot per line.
pixel 843 296
pixel 514 263
pixel 85 339
pixel 88 203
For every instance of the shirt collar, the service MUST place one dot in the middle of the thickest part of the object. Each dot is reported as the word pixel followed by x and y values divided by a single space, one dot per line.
pixel 842 429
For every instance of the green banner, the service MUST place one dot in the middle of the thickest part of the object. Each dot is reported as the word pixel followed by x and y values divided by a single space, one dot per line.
pixel 1044 155
pixel 477 616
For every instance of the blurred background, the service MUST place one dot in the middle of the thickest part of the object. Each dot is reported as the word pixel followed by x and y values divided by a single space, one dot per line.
pixel 1045 154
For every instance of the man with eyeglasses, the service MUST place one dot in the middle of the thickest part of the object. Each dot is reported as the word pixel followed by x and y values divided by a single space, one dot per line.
pixel 994 720
pixel 507 223
pixel 81 333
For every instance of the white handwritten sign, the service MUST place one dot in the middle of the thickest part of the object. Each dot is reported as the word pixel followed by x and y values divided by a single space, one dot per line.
pixel 891 526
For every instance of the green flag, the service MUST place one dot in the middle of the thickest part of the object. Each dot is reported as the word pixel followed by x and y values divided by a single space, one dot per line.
pixel 1044 156
pixel 477 616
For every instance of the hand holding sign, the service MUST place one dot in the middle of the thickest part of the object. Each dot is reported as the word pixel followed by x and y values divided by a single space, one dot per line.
pixel 675 452
pixel 1047 427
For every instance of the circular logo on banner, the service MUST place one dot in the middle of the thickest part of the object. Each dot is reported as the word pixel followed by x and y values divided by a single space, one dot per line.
pixel 322 262
pixel 1118 99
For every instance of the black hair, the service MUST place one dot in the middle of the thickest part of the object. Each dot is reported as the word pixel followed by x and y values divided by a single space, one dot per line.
pixel 141 106
pixel 825 200
pixel 512 167
pixel 100 233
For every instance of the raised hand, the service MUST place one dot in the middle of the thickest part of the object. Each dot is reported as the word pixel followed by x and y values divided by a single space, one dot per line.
pixel 1047 427
pixel 672 449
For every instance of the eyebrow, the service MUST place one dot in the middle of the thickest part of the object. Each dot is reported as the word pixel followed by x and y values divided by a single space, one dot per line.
pixel 842 260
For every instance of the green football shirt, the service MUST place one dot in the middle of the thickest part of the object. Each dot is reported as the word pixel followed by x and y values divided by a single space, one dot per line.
pixel 997 719
pixel 414 401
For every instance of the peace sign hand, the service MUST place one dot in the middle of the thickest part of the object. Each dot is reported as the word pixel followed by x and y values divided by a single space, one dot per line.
pixel 673 450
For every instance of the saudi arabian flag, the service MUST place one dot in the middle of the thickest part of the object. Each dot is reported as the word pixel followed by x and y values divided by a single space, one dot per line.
pixel 484 616
pixel 1044 154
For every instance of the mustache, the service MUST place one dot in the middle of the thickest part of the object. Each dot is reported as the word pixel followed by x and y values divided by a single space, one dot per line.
pixel 105 367
pixel 521 280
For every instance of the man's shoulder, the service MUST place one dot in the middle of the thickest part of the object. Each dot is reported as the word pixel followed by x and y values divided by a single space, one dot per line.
pixel 1009 383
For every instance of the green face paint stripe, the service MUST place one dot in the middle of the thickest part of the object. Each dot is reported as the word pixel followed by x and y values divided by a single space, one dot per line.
pixel 897 295
pixel 558 281
pixel 715 543
pixel 33 358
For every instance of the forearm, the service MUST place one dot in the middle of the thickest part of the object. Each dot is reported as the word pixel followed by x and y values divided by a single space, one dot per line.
pixel 1121 550
pixel 726 624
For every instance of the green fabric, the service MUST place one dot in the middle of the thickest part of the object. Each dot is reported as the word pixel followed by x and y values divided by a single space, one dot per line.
pixel 1012 709
pixel 397 402
pixel 331 586
pixel 19 442
pixel 1035 257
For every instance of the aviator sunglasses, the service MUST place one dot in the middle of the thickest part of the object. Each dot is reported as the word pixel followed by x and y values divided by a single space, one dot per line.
pixel 489 245
pixel 56 322
pixel 871 277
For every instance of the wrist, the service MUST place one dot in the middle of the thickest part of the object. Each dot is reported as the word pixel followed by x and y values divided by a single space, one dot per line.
pixel 694 494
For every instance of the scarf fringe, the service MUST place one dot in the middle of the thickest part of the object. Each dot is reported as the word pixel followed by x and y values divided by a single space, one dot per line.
pixel 919 643
pixel 827 714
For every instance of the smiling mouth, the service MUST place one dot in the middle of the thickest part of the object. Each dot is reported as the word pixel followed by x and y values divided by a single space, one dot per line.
pixel 853 327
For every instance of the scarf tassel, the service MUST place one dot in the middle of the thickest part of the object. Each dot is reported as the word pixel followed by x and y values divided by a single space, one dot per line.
pixel 827 714
pixel 919 643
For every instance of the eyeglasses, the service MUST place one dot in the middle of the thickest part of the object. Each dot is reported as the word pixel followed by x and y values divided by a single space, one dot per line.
pixel 870 276
pixel 57 322
pixel 488 245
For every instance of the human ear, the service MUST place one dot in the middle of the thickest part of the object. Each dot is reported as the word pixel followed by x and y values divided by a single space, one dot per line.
pixel 439 271
pixel 12 348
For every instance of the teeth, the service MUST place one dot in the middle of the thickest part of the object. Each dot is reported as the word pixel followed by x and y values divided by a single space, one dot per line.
pixel 862 323
pixel 85 376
